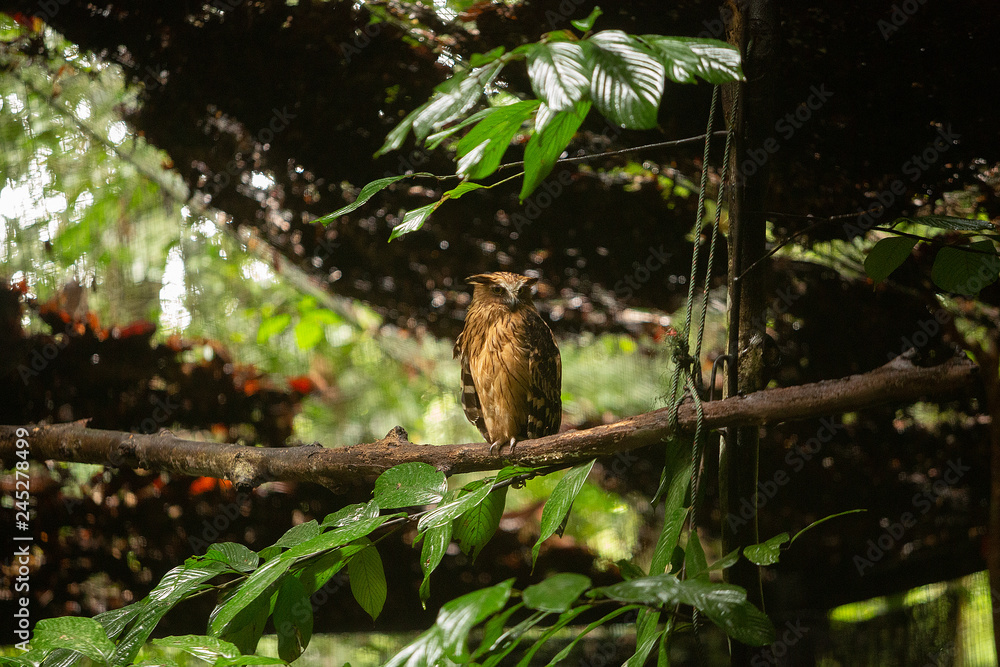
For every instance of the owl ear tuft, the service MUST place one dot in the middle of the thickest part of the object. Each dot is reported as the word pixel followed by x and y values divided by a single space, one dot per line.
pixel 480 279
pixel 530 282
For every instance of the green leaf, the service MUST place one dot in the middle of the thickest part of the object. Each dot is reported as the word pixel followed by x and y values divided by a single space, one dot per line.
pixel 414 220
pixel 627 80
pixel 76 633
pixel 819 521
pixel 366 193
pixel 726 561
pixel 962 272
pixel 293 619
pixel 247 627
pixel 457 617
pixel 271 326
pixel 479 152
pixel 258 584
pixel 251 660
pixel 509 640
pixel 564 619
pixel 560 73
pixel 435 139
pixel 315 575
pixel 728 608
pixel 116 620
pixel 559 657
pixel 695 563
pixel 351 513
pixel 886 256
pixel 298 534
pixel 557 593
pixel 368 578
pixel 559 503
pixel 583 25
pixel 948 222
pixel 629 570
pixel 546 145
pixel 462 188
pixel 435 545
pixel 410 484
pixel 726 605
pixel 687 57
pixel 474 528
pixel 332 539
pixel 451 99
pixel 667 542
pixel 308 333
pixel 766 553
pixel 235 555
pixel 445 512
pixel 493 629
pixel 509 472
pixel 205 648
pixel 175 585
pixel 480 59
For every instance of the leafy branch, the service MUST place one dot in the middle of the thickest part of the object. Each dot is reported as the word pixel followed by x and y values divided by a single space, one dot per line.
pixel 621 75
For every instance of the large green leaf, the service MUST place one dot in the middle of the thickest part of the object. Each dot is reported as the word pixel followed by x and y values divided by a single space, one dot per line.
pixel 451 99
pixel 410 484
pixel 175 585
pixel 76 633
pixel 368 578
pixel 235 555
pixel 318 571
pixel 480 151
pixel 627 79
pixel 557 593
pixel 293 619
pixel 564 619
pixel 559 503
pixel 367 192
pixel 560 73
pixel 116 620
pixel 457 617
pixel 257 584
pixel 726 605
pixel 413 220
pixel 886 256
pixel 474 528
pixel 445 512
pixel 509 640
pixel 435 545
pixel 205 648
pixel 351 513
pixel 332 539
pixel 958 270
pixel 547 144
pixel 687 57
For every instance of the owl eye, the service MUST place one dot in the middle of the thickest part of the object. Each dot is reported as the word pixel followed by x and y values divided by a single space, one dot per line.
pixel 497 289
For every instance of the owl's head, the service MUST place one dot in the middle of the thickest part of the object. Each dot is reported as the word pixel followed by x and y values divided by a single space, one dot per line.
pixel 502 288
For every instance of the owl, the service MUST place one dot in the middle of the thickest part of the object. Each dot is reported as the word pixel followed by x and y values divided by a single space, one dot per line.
pixel 511 369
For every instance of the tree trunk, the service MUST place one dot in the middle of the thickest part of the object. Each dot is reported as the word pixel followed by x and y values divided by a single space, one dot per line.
pixel 752 29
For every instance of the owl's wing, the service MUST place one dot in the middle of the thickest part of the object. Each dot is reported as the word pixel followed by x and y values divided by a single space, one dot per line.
pixel 545 372
pixel 470 397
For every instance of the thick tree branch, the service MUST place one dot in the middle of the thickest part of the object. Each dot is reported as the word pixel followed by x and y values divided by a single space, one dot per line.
pixel 897 382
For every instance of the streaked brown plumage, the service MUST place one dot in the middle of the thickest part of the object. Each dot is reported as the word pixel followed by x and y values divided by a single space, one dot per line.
pixel 511 370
